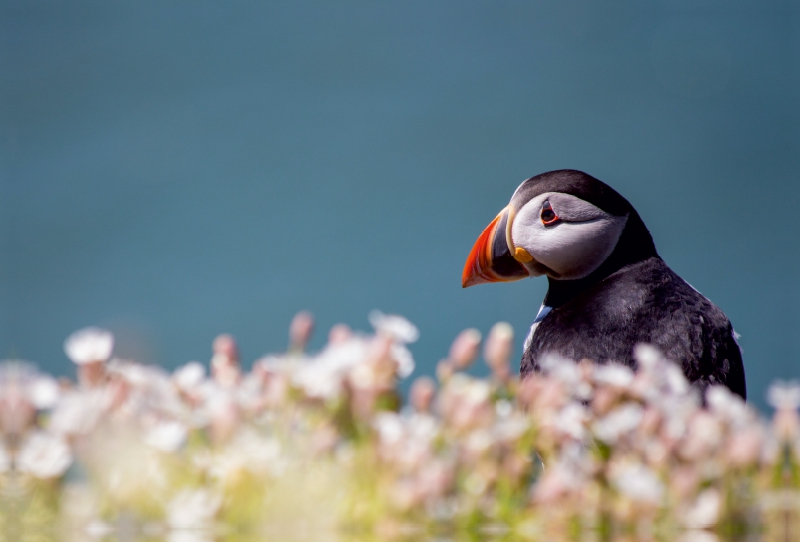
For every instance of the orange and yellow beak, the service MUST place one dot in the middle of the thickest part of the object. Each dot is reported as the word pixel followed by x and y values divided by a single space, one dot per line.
pixel 492 259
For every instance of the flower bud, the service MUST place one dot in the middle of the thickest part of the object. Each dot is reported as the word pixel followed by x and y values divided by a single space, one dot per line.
pixel 464 349
pixel 300 331
pixel 422 393
pixel 225 362
pixel 444 370
pixel 498 348
pixel 225 346
pixel 339 333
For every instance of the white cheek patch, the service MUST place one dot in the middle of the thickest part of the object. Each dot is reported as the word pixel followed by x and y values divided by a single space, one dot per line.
pixel 577 244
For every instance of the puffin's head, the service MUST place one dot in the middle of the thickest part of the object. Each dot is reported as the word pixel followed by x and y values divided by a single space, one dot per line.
pixel 564 224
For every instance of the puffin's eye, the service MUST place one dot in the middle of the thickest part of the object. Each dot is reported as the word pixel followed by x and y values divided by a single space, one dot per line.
pixel 548 216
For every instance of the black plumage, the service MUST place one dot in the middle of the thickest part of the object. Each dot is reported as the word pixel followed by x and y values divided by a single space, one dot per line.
pixel 632 298
pixel 642 302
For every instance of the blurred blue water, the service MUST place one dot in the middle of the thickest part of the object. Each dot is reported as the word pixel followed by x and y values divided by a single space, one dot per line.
pixel 177 170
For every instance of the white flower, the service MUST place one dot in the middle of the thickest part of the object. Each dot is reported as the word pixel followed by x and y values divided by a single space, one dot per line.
pixel 89 345
pixel 188 377
pixel 44 456
pixel 139 375
pixel 323 376
pixel 637 482
pixel 693 535
pixel 679 411
pixel 194 535
pixel 572 419
pixel 616 423
pixel 613 374
pixel 479 441
pixel 675 379
pixel 511 427
pixel 728 405
pixel 151 390
pixel 647 356
pixel 77 413
pixel 566 371
pixel 193 509
pixel 389 427
pixel 423 427
pixel 503 408
pixel 705 511
pixel 166 435
pixel 563 475
pixel 23 381
pixel 319 380
pixel 363 376
pixel 43 392
pixel 97 529
pixel 706 433
pixel 249 452
pixel 394 326
pixel 250 392
pixel 474 391
pixel 784 395
pixel 404 359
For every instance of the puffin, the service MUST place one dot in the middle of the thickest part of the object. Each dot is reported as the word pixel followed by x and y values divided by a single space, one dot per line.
pixel 608 289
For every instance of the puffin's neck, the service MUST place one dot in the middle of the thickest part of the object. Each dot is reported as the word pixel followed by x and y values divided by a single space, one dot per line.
pixel 634 245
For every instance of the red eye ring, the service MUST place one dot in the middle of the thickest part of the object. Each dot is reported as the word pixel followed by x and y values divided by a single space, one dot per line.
pixel 548 215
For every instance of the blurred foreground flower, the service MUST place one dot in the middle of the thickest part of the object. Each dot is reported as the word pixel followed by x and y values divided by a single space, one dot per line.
pixel 43 455
pixel 89 349
pixel 310 442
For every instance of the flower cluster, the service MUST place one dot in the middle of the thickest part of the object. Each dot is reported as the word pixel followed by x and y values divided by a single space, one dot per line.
pixel 323 443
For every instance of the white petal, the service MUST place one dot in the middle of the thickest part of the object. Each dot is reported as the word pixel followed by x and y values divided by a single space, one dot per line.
pixel 395 326
pixel 784 395
pixel 43 392
pixel 44 455
pixel 193 509
pixel 189 376
pixel 89 345
pixel 167 436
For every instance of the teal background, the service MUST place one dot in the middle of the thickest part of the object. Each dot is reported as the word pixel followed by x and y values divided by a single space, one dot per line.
pixel 173 170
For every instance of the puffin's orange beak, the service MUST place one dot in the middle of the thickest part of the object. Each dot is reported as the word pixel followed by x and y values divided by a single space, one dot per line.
pixel 490 259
